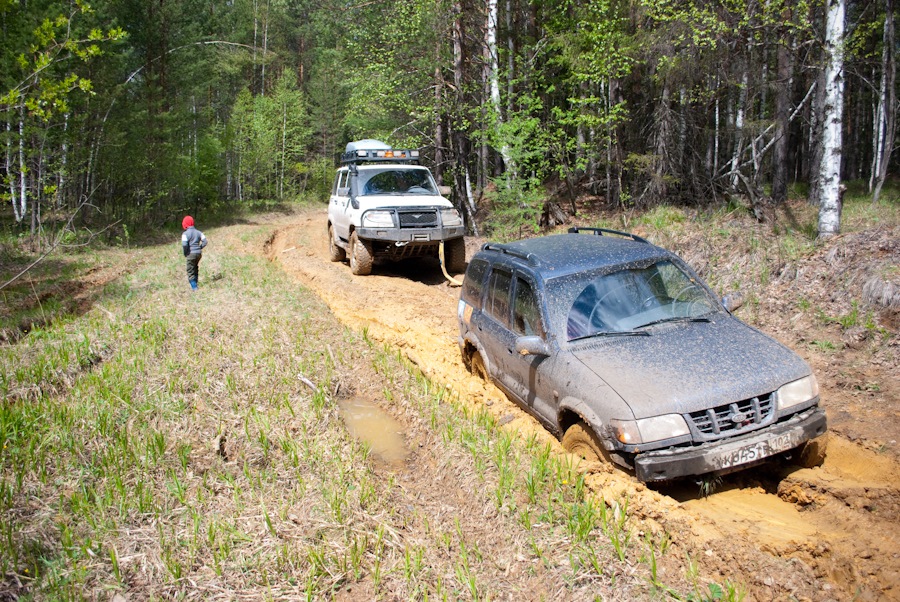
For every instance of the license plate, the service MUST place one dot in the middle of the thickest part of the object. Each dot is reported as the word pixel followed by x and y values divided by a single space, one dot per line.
pixel 755 451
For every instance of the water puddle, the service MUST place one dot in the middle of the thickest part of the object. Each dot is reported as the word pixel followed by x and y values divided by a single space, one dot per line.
pixel 368 423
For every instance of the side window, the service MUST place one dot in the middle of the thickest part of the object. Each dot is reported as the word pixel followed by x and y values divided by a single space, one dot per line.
pixel 343 177
pixel 473 283
pixel 497 305
pixel 526 312
pixel 337 183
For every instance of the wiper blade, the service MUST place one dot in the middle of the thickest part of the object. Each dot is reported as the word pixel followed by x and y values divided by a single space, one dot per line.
pixel 674 319
pixel 613 333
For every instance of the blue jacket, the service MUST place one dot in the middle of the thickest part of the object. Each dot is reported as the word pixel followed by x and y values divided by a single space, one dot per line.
pixel 192 241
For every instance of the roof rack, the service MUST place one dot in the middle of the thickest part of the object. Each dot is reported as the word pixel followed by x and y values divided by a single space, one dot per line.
pixel 602 231
pixel 501 248
pixel 375 151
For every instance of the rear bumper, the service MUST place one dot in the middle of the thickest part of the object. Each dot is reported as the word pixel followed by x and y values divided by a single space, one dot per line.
pixel 730 454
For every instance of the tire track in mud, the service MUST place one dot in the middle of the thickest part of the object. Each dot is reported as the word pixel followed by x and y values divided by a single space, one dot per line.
pixel 827 533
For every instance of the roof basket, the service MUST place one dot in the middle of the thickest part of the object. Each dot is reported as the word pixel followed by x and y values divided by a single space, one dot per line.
pixel 602 231
pixel 376 151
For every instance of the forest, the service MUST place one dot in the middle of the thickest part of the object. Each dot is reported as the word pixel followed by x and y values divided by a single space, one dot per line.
pixel 123 113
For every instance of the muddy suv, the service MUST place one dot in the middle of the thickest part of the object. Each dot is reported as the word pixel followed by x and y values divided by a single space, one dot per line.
pixel 385 206
pixel 620 349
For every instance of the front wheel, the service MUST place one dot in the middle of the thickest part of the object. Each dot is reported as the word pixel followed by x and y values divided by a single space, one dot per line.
pixel 812 453
pixel 581 440
pixel 360 256
pixel 455 255
pixel 335 253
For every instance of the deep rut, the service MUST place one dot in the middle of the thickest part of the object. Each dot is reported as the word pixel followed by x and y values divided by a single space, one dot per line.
pixel 827 533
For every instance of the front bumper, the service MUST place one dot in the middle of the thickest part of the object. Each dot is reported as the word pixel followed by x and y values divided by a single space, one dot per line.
pixel 730 454
pixel 411 235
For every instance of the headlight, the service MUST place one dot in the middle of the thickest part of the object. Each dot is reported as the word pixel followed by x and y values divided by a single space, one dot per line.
pixel 451 217
pixel 378 219
pixel 797 392
pixel 632 432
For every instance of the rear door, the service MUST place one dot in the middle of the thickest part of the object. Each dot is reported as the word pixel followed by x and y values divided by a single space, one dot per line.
pixel 514 310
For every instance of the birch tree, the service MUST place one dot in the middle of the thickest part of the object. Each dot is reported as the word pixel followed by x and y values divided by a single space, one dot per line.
pixel 886 114
pixel 829 169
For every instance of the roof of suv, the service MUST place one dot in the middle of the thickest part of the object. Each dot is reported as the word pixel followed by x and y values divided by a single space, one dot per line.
pixel 562 254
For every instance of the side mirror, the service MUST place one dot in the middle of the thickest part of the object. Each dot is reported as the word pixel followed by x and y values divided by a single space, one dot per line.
pixel 445 190
pixel 532 346
pixel 343 191
pixel 732 301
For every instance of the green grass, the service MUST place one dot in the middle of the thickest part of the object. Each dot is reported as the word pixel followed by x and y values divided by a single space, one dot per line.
pixel 162 444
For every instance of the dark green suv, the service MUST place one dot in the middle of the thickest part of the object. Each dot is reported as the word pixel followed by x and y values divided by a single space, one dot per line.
pixel 620 349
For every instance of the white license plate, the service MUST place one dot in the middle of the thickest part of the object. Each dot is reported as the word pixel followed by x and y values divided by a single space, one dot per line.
pixel 755 451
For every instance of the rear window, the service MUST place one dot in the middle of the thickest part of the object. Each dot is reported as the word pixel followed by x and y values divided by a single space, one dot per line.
pixel 473 283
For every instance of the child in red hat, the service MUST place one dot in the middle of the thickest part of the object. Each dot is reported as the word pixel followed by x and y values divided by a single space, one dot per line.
pixel 192 243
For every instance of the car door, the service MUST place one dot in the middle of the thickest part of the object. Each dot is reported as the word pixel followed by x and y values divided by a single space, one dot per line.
pixel 338 208
pixel 513 305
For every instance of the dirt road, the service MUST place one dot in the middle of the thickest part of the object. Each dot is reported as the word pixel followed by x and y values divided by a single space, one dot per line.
pixel 828 533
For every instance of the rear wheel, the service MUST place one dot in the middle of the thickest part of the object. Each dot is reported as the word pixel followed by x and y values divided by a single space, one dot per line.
pixel 477 367
pixel 455 255
pixel 335 253
pixel 581 440
pixel 360 256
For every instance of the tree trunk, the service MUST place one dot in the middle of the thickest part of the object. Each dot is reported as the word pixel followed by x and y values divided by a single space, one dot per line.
pixel 887 105
pixel 23 177
pixel 783 87
pixel 830 164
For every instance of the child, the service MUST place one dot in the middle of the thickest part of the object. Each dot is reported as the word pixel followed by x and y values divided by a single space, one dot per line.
pixel 192 243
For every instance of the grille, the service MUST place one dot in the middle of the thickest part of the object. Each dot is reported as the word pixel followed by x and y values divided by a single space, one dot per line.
pixel 418 219
pixel 734 418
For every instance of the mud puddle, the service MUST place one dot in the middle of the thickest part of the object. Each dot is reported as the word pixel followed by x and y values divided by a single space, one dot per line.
pixel 787 533
pixel 377 429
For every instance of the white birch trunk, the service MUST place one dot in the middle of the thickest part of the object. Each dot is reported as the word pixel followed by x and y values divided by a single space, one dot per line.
pixel 23 178
pixel 13 195
pixel 830 163
pixel 886 103
pixel 494 80
pixel 739 127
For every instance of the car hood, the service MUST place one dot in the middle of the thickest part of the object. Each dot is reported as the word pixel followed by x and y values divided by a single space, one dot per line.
pixel 686 367
pixel 381 201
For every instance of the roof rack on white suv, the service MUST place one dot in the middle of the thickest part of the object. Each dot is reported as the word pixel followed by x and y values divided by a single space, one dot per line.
pixel 376 151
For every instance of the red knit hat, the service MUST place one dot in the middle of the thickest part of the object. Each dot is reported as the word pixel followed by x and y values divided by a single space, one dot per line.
pixel 187 222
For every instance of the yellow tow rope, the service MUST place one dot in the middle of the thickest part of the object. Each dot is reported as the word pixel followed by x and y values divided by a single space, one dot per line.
pixel 453 281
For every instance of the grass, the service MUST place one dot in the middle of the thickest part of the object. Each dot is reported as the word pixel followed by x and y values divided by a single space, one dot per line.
pixel 163 444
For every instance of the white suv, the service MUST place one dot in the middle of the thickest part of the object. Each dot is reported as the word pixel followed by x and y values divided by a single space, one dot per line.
pixel 384 205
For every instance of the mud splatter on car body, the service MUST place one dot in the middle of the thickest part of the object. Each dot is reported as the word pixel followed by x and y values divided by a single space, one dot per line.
pixel 603 331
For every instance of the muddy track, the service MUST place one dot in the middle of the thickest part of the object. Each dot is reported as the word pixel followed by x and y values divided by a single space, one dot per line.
pixel 827 533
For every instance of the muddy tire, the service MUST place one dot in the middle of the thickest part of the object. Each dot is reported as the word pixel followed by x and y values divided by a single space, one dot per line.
pixel 582 441
pixel 360 256
pixel 335 253
pixel 476 366
pixel 812 453
pixel 455 255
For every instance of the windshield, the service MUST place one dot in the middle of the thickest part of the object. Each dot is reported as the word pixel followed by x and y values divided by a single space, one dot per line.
pixel 628 299
pixel 399 181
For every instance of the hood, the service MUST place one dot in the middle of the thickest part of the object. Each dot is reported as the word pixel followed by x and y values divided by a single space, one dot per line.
pixel 379 201
pixel 686 367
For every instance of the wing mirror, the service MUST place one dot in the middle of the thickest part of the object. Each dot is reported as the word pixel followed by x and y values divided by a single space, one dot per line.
pixel 445 190
pixel 532 346
pixel 343 191
pixel 732 301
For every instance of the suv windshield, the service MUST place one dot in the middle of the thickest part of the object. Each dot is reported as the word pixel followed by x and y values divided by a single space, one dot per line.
pixel 400 181
pixel 628 299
